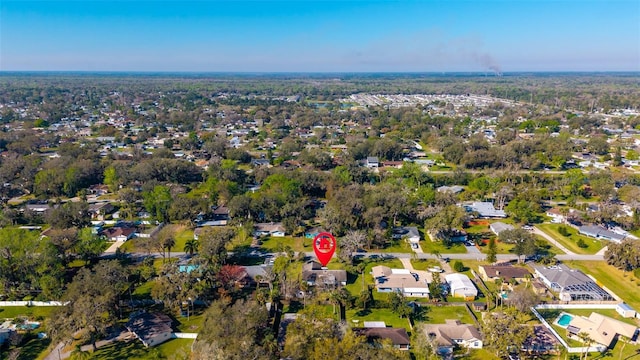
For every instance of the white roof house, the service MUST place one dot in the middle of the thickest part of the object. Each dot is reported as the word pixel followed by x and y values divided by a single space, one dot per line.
pixel 485 209
pixel 498 227
pixel 461 286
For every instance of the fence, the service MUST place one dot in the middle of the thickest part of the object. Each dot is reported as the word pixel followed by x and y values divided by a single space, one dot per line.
pixel 32 303
pixel 572 350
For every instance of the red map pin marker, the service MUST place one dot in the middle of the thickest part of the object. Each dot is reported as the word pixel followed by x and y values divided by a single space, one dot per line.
pixel 324 245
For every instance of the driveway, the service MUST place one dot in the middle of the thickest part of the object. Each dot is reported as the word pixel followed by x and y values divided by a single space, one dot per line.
pixel 552 240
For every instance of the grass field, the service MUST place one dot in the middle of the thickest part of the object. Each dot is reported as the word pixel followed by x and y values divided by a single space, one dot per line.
pixel 134 350
pixel 431 247
pixel 424 264
pixel 31 312
pixel 275 244
pixel 624 284
pixel 438 314
pixel 593 245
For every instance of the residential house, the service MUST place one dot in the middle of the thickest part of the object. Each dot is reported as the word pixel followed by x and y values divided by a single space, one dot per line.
pixel 601 329
pixel 399 280
pixel 556 216
pixel 485 210
pixel 315 275
pixel 372 162
pixel 451 189
pixel 119 233
pixel 506 273
pixel 150 328
pixel 409 233
pixel 98 189
pixel 599 232
pixel 398 336
pixel 99 210
pixel 571 284
pixel 498 227
pixel 453 334
pixel 461 286
pixel 37 207
pixel 269 229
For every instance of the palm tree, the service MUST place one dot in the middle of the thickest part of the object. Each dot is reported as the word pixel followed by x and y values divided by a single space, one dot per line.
pixel 587 340
pixel 191 246
pixel 168 243
pixel 79 354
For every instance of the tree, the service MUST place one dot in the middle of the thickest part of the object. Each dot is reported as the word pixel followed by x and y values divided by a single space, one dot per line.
pixel 523 299
pixel 213 242
pixel 505 332
pixel 445 220
pixel 435 287
pixel 587 341
pixel 423 345
pixel 398 304
pixel 625 255
pixel 350 243
pixel 93 304
pixel 191 246
pixel 492 251
pixel 524 241
pixel 235 331
pixel 458 266
pixel 111 178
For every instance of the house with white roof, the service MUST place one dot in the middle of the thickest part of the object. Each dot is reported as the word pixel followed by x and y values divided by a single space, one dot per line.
pixel 461 286
pixel 485 210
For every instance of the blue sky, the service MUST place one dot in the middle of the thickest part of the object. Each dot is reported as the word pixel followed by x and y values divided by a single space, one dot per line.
pixel 321 36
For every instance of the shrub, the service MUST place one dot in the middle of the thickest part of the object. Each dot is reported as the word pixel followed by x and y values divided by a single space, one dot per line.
pixel 581 243
pixel 563 231
pixel 458 266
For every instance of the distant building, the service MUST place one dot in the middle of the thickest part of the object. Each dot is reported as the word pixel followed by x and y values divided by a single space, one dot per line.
pixel 452 189
pixel 269 229
pixel 409 233
pixel 485 210
pixel 372 162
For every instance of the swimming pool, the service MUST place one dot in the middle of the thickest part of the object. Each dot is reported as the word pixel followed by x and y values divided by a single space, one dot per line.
pixel 564 320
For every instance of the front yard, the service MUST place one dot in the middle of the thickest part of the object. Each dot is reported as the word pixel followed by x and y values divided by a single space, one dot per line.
pixel 591 246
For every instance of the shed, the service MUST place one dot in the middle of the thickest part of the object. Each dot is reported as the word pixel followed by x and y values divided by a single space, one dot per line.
pixel 625 310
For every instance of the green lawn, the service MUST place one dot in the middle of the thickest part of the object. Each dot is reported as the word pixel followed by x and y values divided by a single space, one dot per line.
pixel 143 291
pixel 32 312
pixel 192 323
pixel 438 314
pixel 593 245
pixel 624 284
pixel 134 350
pixel 424 264
pixel 397 246
pixel 275 244
pixel 386 315
pixel 431 247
